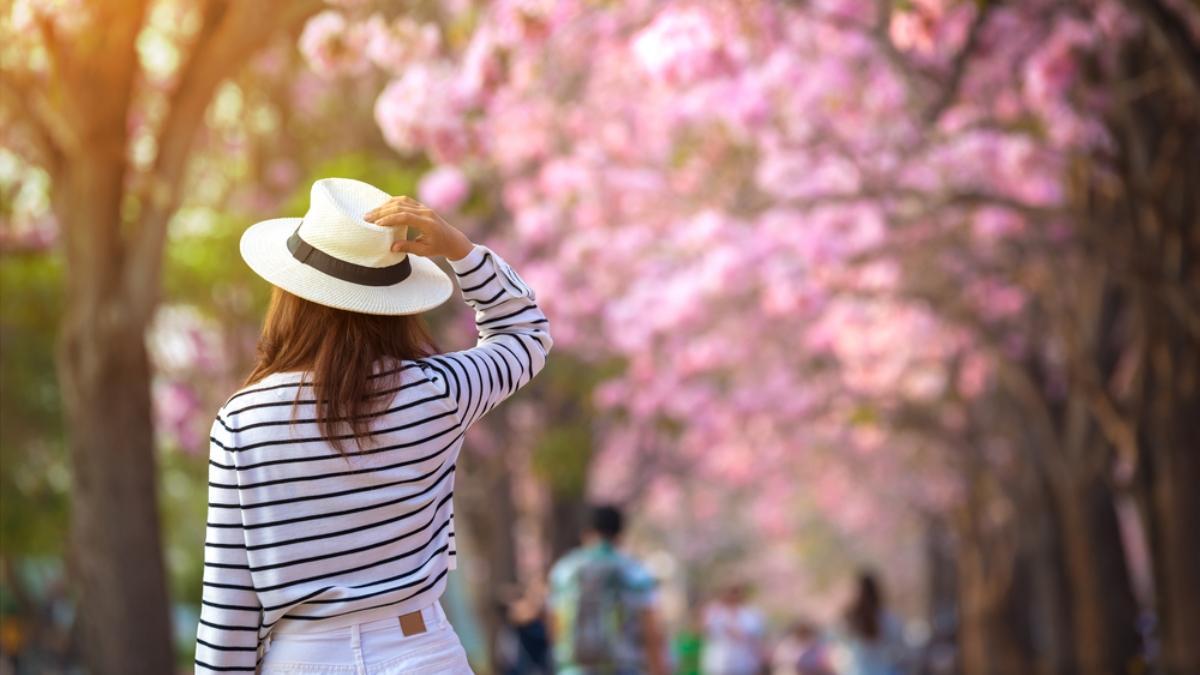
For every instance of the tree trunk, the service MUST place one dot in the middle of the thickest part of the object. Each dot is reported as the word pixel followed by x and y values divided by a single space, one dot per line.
pixel 973 636
pixel 1173 436
pixel 987 559
pixel 566 521
pixel 1050 592
pixel 485 502
pixel 113 222
pixel 1104 609
pixel 115 548
pixel 988 631
pixel 1177 503
pixel 1150 229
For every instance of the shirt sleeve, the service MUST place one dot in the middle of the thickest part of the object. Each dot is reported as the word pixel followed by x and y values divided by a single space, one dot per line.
pixel 514 337
pixel 230 612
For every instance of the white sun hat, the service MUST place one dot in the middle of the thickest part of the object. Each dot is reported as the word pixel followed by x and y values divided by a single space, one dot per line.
pixel 332 256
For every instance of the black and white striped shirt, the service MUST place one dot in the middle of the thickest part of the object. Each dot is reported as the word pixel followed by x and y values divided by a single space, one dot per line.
pixel 298 533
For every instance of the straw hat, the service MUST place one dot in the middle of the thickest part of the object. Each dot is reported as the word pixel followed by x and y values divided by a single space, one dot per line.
pixel 332 256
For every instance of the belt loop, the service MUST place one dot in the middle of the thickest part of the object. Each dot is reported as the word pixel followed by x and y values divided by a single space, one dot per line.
pixel 360 664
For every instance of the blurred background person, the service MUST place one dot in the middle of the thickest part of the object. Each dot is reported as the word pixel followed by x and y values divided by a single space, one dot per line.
pixel 801 651
pixel 872 640
pixel 602 606
pixel 733 635
pixel 525 643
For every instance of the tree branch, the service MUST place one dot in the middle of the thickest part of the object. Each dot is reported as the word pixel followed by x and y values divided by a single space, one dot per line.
pixel 1175 34
pixel 13 91
pixel 958 67
pixel 231 32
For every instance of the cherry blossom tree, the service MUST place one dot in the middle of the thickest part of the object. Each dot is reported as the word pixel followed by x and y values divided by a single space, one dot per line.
pixel 845 229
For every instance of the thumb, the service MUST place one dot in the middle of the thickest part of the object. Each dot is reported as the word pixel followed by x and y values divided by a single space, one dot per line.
pixel 418 246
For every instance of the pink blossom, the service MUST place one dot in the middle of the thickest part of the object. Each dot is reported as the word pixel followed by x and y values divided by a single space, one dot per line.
pixel 444 188
pixel 282 173
pixel 681 46
pixel 177 411
pixel 915 27
pixel 973 376
pixel 393 45
pixel 333 47
pixel 729 200
pixel 480 72
pixel 420 110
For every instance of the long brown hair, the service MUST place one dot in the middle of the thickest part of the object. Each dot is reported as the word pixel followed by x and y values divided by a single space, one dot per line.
pixel 864 613
pixel 338 351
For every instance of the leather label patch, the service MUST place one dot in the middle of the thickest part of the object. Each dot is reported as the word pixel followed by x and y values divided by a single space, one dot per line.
pixel 412 623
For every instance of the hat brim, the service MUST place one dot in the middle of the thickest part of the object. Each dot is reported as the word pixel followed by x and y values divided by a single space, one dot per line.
pixel 264 248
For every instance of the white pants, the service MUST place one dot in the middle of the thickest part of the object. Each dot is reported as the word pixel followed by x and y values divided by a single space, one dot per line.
pixel 371 648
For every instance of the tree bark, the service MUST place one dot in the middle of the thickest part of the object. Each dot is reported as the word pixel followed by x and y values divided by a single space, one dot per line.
pixel 566 523
pixel 1050 595
pixel 1173 504
pixel 1176 504
pixel 1146 225
pixel 485 502
pixel 988 633
pixel 987 559
pixel 104 370
pixel 115 552
pixel 1104 610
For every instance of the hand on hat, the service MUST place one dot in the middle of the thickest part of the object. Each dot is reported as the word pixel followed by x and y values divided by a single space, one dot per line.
pixel 437 237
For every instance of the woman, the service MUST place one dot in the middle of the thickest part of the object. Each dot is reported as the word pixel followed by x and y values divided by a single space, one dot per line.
pixel 873 640
pixel 331 472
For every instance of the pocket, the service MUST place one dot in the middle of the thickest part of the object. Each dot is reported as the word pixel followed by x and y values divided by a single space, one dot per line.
pixel 445 656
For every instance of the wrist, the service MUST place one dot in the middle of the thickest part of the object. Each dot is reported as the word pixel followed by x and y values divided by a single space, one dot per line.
pixel 459 248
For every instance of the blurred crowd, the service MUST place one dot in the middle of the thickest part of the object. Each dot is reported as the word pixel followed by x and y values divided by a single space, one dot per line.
pixel 600 614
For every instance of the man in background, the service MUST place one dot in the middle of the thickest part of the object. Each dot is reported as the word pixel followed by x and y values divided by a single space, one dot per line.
pixel 602 606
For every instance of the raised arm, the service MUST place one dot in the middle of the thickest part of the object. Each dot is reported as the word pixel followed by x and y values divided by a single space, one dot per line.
pixel 514 336
pixel 227 636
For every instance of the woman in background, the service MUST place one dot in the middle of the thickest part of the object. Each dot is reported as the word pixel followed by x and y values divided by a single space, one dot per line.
pixel 872 642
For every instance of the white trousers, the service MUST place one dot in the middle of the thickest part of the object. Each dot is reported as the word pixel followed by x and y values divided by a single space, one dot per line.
pixel 371 648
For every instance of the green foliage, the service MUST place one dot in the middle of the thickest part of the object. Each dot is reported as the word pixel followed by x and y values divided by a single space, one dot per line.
pixel 183 488
pixel 864 415
pixel 35 478
pixel 203 266
pixel 562 457
pixel 389 175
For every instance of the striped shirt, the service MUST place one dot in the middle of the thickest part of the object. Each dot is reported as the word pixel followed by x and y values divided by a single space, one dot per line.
pixel 299 535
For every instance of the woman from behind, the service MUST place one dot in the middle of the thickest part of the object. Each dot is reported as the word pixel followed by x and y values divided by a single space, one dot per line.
pixel 330 527
pixel 872 642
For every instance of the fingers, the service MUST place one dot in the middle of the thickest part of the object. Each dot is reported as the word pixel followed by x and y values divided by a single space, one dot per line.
pixel 397 205
pixel 405 211
pixel 418 223
pixel 418 246
pixel 392 209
